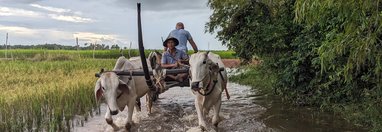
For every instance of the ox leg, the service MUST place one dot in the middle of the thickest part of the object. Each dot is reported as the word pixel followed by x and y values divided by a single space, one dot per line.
pixel 216 117
pixel 130 111
pixel 109 120
pixel 199 111
pixel 138 104
pixel 149 103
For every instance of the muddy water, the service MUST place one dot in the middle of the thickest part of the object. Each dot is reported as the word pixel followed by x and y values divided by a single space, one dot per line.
pixel 247 111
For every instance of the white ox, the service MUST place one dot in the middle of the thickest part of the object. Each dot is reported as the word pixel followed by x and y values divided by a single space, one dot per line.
pixel 207 84
pixel 120 91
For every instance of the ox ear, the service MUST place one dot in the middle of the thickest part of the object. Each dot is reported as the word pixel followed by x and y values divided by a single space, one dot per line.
pixel 123 86
pixel 98 90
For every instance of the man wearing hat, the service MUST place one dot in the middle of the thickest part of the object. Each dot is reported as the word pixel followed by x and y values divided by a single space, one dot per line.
pixel 182 36
pixel 172 58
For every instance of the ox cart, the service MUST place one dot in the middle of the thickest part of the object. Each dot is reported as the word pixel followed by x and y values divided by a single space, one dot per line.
pixel 148 73
pixel 118 89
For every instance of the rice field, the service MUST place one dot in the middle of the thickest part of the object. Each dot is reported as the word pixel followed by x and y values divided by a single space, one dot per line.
pixel 47 95
pixel 52 90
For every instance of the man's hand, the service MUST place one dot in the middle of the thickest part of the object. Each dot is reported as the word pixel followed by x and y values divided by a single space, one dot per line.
pixel 179 63
pixel 175 65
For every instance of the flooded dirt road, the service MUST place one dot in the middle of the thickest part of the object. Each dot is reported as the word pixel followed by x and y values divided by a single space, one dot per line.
pixel 248 110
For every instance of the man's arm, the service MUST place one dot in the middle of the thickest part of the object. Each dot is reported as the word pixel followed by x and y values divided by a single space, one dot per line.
pixel 193 45
pixel 164 62
pixel 164 65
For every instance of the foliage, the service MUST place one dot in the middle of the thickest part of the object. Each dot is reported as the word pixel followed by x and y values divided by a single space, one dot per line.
pixel 350 52
pixel 327 53
pixel 249 27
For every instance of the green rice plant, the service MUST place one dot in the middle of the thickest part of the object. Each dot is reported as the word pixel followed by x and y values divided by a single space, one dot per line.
pixel 47 95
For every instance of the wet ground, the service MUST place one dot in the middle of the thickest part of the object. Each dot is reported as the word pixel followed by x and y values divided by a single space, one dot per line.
pixel 248 110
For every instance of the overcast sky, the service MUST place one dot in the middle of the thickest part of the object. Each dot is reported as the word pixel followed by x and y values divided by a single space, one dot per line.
pixel 102 21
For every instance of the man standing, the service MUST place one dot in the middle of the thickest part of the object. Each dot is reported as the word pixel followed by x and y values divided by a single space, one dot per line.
pixel 182 35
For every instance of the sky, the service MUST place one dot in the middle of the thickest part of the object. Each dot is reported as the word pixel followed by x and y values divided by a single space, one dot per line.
pixel 108 22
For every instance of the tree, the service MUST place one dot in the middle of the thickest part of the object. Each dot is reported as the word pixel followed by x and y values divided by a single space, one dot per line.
pixel 252 27
pixel 114 46
pixel 324 52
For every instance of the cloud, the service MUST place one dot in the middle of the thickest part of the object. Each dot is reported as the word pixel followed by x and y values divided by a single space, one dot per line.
pixel 52 9
pixel 62 14
pixel 18 30
pixel 67 18
pixel 58 36
pixel 89 36
pixel 7 11
pixel 108 22
pixel 19 1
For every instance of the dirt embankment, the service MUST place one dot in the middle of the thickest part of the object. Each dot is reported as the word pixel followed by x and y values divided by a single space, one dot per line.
pixel 234 63
pixel 231 63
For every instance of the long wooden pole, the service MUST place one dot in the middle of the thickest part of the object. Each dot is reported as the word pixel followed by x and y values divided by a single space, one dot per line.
pixel 142 51
pixel 141 73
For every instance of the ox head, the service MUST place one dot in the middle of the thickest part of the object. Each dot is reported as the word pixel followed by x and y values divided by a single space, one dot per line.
pixel 159 76
pixel 110 87
pixel 154 58
pixel 200 67
pixel 158 72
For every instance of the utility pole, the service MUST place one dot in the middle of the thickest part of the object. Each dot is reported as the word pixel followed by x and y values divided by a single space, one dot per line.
pixel 78 46
pixel 10 48
pixel 77 43
pixel 94 47
pixel 6 46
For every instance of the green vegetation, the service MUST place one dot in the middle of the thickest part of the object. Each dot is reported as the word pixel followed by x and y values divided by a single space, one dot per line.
pixel 100 54
pixel 325 53
pixel 46 95
pixel 256 76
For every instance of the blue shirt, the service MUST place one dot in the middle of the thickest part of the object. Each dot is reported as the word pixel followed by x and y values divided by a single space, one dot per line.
pixel 167 58
pixel 182 36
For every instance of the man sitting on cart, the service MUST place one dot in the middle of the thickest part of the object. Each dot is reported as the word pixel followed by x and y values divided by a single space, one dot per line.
pixel 172 58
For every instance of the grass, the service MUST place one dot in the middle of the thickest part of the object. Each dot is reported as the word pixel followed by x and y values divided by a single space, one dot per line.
pixel 46 95
pixel 256 76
